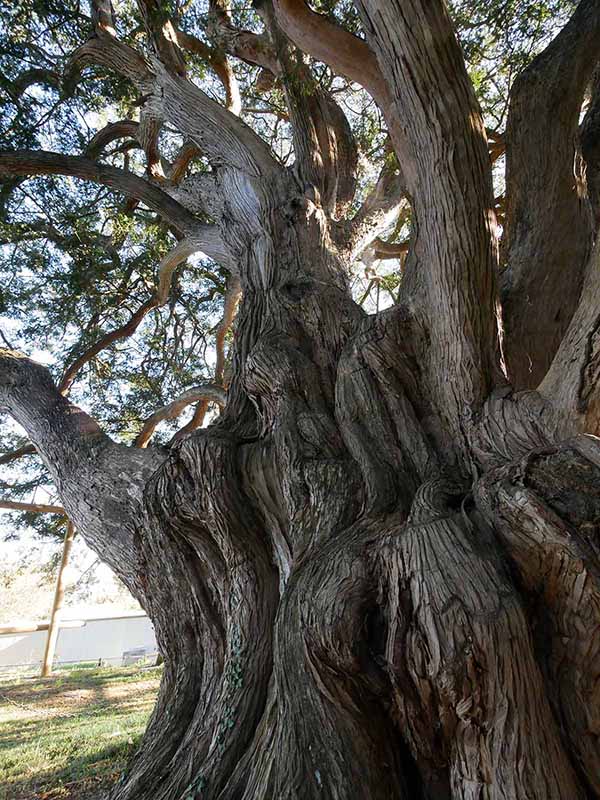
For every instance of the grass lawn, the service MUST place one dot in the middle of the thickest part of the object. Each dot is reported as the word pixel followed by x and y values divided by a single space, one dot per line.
pixel 68 737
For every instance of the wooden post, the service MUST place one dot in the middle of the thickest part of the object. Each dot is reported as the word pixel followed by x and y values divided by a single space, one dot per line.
pixel 59 594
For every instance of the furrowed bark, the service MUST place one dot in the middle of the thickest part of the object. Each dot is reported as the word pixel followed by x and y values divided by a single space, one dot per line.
pixel 99 482
pixel 572 385
pixel 545 510
pixel 468 691
pixel 448 178
pixel 337 618
pixel 549 224
pixel 231 593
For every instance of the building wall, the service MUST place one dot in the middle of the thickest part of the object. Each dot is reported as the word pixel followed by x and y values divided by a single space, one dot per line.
pixel 105 639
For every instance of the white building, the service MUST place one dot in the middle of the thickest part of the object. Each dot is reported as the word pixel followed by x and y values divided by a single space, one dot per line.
pixel 116 638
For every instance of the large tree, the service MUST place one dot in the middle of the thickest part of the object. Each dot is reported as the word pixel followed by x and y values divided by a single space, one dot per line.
pixel 377 573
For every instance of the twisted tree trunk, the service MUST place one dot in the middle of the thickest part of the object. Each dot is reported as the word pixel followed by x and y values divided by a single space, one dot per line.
pixel 336 620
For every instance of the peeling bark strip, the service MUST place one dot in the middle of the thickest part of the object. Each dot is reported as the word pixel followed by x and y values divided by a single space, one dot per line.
pixel 377 574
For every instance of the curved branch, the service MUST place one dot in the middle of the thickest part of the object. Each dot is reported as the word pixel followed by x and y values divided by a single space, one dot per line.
pixel 549 229
pixel 220 65
pixel 324 40
pixel 109 52
pixel 122 332
pixel 167 267
pixel 42 162
pixel 210 244
pixel 32 77
pixel 232 297
pixel 124 128
pixel 187 152
pixel 209 391
pixel 448 176
pixel 220 134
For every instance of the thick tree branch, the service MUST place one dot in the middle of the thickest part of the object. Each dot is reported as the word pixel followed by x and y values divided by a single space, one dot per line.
pixel 326 153
pixel 125 128
pixel 448 177
pixel 13 455
pixel 42 162
pixel 548 232
pixel 221 136
pixel 103 18
pixel 324 40
pixel 99 482
pixel 378 212
pixel 109 52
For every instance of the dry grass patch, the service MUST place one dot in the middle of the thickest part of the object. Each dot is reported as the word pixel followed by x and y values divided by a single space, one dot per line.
pixel 69 737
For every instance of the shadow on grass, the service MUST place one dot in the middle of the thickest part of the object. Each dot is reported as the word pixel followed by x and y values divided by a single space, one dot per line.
pixel 19 731
pixel 32 690
pixel 59 738
pixel 85 776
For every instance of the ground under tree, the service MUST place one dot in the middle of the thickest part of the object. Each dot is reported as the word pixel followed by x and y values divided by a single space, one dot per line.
pixel 377 574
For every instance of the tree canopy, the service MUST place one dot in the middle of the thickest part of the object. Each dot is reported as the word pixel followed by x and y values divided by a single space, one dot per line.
pixel 80 259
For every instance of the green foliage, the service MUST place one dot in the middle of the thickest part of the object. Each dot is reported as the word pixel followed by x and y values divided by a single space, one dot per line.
pixel 77 260
pixel 74 732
